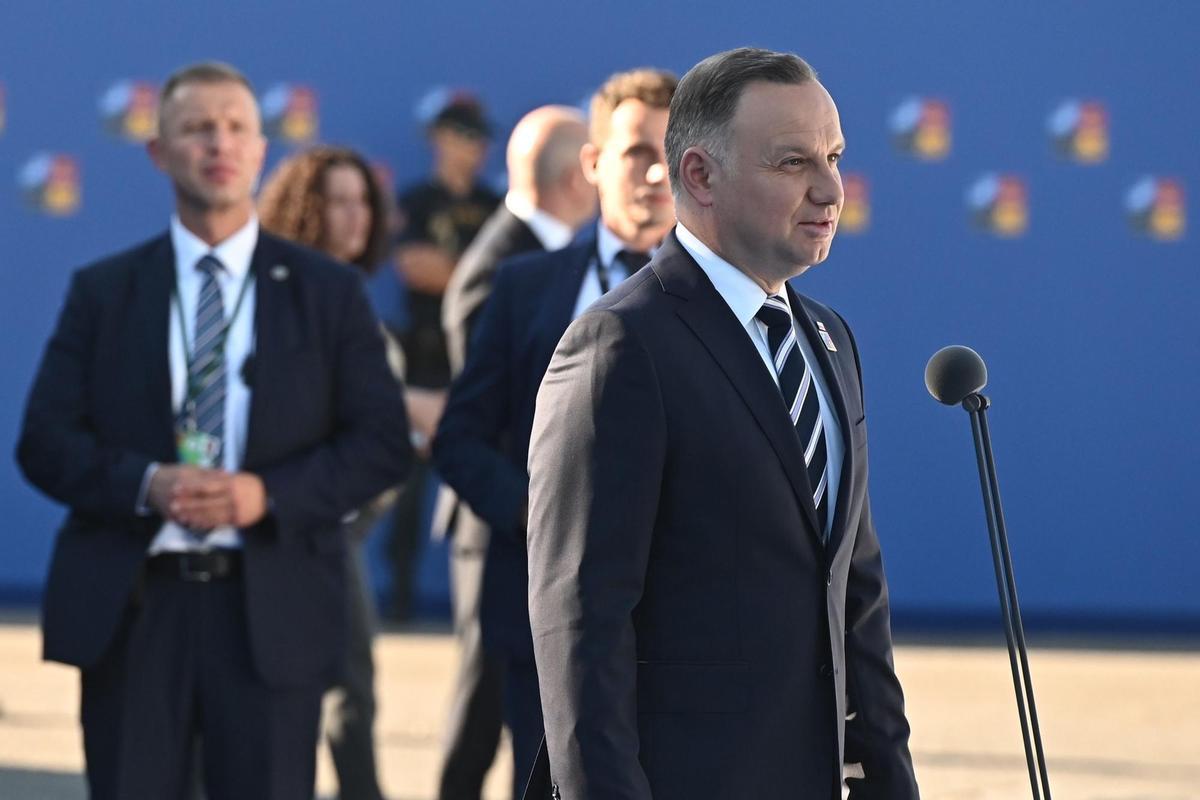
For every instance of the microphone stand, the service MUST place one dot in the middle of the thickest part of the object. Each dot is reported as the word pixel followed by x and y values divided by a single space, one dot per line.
pixel 976 406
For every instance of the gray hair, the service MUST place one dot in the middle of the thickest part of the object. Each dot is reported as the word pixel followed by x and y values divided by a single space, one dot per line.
pixel 707 97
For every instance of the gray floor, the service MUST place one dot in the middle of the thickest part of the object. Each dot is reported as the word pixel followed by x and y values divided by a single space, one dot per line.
pixel 1119 721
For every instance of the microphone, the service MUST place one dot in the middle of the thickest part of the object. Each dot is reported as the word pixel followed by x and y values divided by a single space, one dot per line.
pixel 955 375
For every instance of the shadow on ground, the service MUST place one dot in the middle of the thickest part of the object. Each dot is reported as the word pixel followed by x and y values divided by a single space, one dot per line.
pixel 29 784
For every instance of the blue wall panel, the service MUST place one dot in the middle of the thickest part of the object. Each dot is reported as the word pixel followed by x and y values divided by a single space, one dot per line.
pixel 1089 328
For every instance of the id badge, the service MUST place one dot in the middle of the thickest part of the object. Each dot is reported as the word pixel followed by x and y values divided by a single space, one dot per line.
pixel 197 448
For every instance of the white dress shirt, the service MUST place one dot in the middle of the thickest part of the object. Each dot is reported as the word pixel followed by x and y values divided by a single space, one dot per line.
pixel 234 254
pixel 552 232
pixel 607 248
pixel 745 297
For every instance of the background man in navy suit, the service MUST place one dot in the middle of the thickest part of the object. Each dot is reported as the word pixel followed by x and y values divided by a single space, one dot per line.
pixel 204 599
pixel 548 199
pixel 483 438
pixel 705 584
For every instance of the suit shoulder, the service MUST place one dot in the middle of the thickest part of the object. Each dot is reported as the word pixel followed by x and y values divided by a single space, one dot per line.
pixel 641 293
pixel 502 236
pixel 536 266
pixel 310 264
pixel 633 308
pixel 819 311
pixel 116 265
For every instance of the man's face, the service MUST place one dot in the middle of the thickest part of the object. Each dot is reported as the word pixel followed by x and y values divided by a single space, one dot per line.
pixel 211 145
pixel 629 171
pixel 461 150
pixel 779 195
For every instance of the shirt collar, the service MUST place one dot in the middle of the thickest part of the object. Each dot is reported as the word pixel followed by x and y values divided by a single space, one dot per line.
pixel 743 296
pixel 552 232
pixel 608 245
pixel 234 253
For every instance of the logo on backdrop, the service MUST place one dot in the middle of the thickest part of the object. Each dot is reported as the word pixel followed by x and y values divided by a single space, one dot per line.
pixel 290 113
pixel 1079 131
pixel 1156 208
pixel 921 127
pixel 50 183
pixel 999 204
pixel 129 110
pixel 856 212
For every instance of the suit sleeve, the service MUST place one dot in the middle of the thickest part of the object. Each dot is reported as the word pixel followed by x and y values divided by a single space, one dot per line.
pixel 59 450
pixel 368 450
pixel 596 463
pixel 465 297
pixel 467 448
pixel 877 737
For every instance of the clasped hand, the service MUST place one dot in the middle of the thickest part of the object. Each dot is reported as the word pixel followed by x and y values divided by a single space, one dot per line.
pixel 203 499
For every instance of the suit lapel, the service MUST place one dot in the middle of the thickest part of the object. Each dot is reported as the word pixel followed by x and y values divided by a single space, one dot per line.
pixel 154 288
pixel 711 319
pixel 837 388
pixel 278 329
pixel 564 292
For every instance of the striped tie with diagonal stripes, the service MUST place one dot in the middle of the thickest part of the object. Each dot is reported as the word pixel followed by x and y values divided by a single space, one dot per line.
pixel 206 372
pixel 800 396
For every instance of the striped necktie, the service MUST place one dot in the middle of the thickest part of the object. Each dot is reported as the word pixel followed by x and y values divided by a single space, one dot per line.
pixel 206 372
pixel 800 396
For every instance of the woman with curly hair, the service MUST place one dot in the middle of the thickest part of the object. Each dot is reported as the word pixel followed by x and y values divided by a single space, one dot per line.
pixel 328 198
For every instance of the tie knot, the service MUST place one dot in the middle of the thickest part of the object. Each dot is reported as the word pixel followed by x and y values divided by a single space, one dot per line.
pixel 774 313
pixel 210 265
pixel 633 260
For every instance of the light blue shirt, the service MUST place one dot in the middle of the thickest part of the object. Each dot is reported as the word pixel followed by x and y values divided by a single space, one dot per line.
pixel 235 253
pixel 744 298
pixel 607 248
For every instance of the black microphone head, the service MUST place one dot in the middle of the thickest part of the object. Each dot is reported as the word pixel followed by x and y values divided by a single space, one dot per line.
pixel 953 373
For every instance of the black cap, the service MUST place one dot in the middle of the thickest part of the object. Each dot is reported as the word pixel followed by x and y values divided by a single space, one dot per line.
pixel 464 115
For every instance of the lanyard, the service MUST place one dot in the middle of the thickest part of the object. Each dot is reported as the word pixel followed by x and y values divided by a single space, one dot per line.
pixel 603 273
pixel 193 389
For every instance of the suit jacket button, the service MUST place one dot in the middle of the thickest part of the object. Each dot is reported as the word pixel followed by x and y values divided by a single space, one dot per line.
pixel 829 577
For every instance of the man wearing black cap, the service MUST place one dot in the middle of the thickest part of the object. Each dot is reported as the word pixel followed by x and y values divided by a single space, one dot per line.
pixel 440 217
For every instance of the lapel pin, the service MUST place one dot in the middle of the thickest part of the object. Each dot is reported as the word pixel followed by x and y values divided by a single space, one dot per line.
pixel 279 272
pixel 825 337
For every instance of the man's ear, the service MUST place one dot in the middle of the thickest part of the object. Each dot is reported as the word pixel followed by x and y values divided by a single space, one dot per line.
pixel 154 150
pixel 696 174
pixel 589 157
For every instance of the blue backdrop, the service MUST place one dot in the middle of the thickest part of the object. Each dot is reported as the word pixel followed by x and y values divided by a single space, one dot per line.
pixel 1020 178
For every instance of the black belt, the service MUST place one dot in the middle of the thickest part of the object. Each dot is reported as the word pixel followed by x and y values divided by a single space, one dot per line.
pixel 197 567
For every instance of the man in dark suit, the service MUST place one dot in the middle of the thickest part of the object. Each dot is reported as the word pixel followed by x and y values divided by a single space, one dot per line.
pixel 209 407
pixel 706 590
pixel 548 199
pixel 483 439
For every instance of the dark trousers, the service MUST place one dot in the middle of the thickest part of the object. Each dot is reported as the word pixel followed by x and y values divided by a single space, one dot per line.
pixel 473 729
pixel 350 705
pixel 523 716
pixel 179 670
